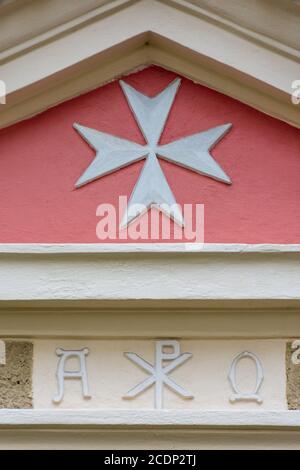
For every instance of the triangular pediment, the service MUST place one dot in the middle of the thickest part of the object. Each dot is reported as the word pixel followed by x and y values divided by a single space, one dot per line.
pixel 234 70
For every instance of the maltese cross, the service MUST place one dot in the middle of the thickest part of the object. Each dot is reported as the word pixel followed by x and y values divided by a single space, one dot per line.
pixel 152 188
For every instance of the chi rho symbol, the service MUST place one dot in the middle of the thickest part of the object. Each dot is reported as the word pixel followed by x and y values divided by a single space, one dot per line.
pixel 165 362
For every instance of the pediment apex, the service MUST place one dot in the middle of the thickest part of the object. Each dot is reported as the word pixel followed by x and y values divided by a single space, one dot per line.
pixel 114 38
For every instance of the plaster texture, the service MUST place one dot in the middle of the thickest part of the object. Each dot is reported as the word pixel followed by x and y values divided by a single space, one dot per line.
pixel 16 375
pixel 292 380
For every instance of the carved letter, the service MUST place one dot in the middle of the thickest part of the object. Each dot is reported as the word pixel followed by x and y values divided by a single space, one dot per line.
pixel 242 396
pixel 62 373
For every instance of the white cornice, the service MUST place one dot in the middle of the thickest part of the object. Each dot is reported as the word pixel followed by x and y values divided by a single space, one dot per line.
pixel 117 37
pixel 66 21
pixel 174 248
pixel 216 15
pixel 75 273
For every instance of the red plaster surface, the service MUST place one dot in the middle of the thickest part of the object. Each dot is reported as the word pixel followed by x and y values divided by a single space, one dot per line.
pixel 41 159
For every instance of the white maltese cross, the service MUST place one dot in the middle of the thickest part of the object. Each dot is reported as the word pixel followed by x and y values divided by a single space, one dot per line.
pixel 152 188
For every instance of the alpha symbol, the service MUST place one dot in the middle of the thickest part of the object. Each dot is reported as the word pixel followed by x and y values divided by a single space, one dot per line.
pixel 63 374
pixel 160 370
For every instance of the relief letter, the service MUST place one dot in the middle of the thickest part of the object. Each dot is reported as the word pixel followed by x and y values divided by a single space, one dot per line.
pixel 62 373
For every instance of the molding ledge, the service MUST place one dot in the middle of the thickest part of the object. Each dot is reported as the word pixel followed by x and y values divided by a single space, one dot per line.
pixel 149 418
pixel 149 272
pixel 180 248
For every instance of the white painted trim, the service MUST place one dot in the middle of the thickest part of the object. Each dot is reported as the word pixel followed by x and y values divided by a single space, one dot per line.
pixel 216 15
pixel 66 23
pixel 101 248
pixel 41 273
pixel 153 418
pixel 202 46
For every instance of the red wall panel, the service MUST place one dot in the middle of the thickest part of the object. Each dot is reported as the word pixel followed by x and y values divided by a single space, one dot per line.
pixel 41 158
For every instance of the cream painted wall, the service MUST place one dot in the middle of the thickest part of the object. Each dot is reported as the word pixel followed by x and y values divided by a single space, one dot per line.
pixel 205 375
